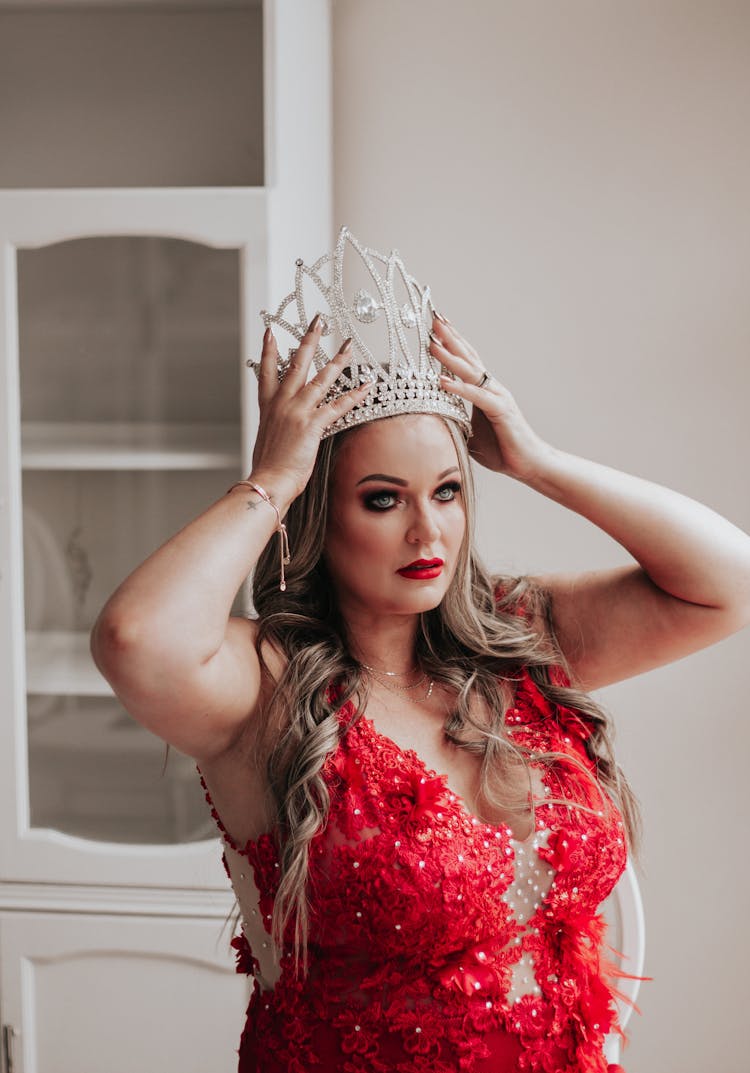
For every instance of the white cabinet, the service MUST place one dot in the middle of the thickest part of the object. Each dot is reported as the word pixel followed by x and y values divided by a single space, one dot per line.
pixel 131 423
pixel 96 993
pixel 163 166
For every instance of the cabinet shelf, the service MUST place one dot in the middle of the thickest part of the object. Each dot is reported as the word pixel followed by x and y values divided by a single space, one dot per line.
pixel 59 662
pixel 126 446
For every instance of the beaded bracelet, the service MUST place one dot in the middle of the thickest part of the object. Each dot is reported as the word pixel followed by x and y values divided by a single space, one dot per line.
pixel 284 555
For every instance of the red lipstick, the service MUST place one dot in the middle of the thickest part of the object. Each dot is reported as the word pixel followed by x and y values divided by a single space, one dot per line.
pixel 422 569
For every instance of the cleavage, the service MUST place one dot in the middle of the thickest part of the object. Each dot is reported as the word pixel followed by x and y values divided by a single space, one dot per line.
pixel 460 769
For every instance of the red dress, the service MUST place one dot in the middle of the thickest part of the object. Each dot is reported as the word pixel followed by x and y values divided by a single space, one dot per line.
pixel 437 942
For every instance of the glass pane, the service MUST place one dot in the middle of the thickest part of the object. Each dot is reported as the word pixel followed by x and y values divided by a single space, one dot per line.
pixel 120 95
pixel 97 774
pixel 129 329
pixel 130 408
pixel 84 531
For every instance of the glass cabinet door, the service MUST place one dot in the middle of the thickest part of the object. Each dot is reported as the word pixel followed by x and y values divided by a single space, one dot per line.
pixel 119 94
pixel 129 362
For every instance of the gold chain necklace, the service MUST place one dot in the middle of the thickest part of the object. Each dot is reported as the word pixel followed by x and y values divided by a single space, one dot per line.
pixel 389 674
pixel 393 688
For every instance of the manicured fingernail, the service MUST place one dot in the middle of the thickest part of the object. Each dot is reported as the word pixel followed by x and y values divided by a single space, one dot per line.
pixel 346 346
pixel 312 326
pixel 440 317
pixel 267 334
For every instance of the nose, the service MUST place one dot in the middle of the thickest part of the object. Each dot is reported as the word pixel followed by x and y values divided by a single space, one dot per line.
pixel 423 527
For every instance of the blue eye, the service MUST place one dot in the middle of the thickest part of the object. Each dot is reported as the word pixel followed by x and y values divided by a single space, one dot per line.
pixel 380 501
pixel 385 499
pixel 452 488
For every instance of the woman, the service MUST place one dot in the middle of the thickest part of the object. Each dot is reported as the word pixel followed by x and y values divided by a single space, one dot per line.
pixel 419 804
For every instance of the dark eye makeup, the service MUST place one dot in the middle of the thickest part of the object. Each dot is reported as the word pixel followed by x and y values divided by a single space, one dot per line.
pixel 385 498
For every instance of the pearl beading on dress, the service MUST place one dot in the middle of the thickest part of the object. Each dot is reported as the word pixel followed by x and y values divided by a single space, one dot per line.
pixel 532 881
pixel 252 926
pixel 414 929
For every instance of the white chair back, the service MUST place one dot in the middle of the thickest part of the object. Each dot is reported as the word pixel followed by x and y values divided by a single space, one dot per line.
pixel 627 934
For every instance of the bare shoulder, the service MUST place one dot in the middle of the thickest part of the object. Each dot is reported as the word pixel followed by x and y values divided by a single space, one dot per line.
pixel 527 607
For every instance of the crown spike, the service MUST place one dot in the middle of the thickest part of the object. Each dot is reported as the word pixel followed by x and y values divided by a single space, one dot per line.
pixel 407 376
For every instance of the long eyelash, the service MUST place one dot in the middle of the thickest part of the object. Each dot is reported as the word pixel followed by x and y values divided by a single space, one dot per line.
pixel 370 503
pixel 370 500
pixel 454 486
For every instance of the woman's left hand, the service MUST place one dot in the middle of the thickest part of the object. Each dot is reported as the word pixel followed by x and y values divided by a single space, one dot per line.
pixel 502 438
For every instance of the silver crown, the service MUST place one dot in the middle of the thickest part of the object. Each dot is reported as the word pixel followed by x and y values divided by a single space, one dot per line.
pixel 388 316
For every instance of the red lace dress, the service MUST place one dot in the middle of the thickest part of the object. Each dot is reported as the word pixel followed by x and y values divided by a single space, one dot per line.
pixel 437 942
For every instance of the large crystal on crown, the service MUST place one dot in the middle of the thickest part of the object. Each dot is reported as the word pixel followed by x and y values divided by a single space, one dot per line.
pixel 364 294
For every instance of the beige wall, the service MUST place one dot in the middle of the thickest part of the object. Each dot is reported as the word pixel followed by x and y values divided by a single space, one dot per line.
pixel 572 180
pixel 130 95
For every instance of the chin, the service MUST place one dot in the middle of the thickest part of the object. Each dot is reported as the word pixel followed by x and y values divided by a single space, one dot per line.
pixel 402 598
pixel 425 597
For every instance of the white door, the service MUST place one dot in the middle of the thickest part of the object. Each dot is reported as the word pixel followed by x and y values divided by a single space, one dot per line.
pixel 127 315
pixel 95 993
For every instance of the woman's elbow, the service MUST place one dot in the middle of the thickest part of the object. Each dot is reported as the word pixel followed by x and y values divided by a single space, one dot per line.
pixel 111 639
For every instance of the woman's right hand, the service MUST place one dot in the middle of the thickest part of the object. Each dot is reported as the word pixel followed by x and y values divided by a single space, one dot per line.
pixel 180 662
pixel 292 412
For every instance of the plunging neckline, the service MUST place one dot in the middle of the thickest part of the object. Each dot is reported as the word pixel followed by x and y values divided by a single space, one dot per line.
pixel 459 800
pixel 253 844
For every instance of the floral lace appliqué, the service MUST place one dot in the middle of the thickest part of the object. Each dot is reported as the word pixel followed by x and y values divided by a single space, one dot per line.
pixel 430 950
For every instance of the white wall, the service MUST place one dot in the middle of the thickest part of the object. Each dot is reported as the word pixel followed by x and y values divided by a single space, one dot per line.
pixel 572 182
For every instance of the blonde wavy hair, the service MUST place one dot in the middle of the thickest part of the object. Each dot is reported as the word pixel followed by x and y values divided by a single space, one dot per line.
pixel 472 643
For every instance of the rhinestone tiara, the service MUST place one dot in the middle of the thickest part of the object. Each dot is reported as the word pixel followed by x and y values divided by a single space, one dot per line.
pixel 361 293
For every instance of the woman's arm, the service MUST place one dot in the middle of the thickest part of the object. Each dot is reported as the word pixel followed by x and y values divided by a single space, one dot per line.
pixel 691 586
pixel 165 639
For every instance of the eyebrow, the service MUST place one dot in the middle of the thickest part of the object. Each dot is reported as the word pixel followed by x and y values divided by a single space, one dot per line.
pixel 399 480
